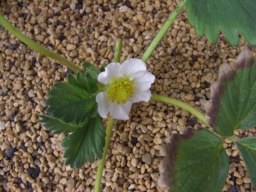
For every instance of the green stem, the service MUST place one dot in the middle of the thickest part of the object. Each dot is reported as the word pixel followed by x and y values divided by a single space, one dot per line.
pixel 233 138
pixel 182 105
pixel 33 45
pixel 163 30
pixel 110 124
pixel 101 163
pixel 118 48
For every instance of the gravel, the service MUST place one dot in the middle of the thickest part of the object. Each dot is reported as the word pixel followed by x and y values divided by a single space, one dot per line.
pixel 9 153
pixel 31 158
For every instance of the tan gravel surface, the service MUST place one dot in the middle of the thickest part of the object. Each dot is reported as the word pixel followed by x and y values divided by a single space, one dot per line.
pixel 31 158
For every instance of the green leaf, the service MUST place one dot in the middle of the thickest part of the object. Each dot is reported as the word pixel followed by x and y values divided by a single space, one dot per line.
pixel 86 79
pixel 72 109
pixel 196 162
pixel 247 148
pixel 58 125
pixel 232 17
pixel 91 69
pixel 238 104
pixel 85 143
pixel 233 102
pixel 89 82
pixel 71 100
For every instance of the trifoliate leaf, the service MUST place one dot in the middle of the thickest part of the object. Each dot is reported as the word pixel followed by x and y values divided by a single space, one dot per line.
pixel 85 143
pixel 232 17
pixel 72 109
pixel 58 125
pixel 194 162
pixel 70 102
pixel 247 148
pixel 233 97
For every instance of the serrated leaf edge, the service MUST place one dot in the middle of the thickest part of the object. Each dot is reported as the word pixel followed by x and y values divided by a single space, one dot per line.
pixel 226 73
pixel 169 151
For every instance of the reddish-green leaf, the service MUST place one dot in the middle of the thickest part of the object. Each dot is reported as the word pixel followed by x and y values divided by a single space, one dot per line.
pixel 195 162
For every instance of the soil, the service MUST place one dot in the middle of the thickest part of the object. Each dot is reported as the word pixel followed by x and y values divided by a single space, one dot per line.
pixel 185 65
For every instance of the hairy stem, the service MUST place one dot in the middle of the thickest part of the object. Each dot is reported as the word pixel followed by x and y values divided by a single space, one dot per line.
pixel 199 115
pixel 101 163
pixel 110 124
pixel 163 30
pixel 36 46
pixel 118 48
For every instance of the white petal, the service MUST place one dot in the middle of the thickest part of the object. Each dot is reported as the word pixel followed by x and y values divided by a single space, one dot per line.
pixel 141 96
pixel 137 75
pixel 120 112
pixel 144 83
pixel 103 106
pixel 112 70
pixel 131 66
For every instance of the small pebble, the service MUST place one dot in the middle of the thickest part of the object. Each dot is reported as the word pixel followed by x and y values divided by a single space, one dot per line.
pixel 2 126
pixel 9 153
pixel 134 162
pixel 146 158
pixel 71 47
pixel 33 172
pixel 134 140
pixel 70 184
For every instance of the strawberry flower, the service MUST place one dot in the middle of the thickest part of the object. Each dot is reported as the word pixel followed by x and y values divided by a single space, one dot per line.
pixel 124 84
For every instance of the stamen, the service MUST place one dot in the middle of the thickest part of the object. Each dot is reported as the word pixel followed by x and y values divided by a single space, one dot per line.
pixel 120 90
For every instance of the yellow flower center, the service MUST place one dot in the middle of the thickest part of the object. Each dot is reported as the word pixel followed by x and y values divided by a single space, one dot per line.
pixel 120 90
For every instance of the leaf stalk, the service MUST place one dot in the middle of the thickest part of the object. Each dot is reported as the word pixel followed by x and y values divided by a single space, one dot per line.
pixel 36 46
pixel 117 53
pixel 185 106
pixel 163 30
